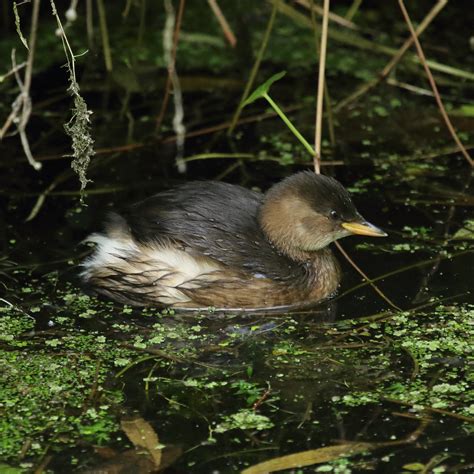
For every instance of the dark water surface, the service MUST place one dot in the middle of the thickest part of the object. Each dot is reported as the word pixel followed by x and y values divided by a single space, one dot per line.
pixel 215 391
pixel 224 391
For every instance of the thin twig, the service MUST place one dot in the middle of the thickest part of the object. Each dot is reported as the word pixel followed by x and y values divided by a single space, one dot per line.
pixel 265 395
pixel 332 16
pixel 24 98
pixel 432 14
pixel 177 30
pixel 410 88
pixel 195 133
pixel 12 71
pixel 428 409
pixel 226 29
pixel 358 41
pixel 223 126
pixel 433 85
pixel 320 97
pixel 353 9
pixel 366 278
pixel 43 464
pixel 401 270
pixel 395 59
pixel 127 8
pixel 61 178
pixel 17 102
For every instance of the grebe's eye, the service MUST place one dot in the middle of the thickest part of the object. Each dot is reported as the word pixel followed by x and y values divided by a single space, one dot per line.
pixel 334 215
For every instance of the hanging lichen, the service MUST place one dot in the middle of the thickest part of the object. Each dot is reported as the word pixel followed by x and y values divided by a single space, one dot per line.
pixel 78 127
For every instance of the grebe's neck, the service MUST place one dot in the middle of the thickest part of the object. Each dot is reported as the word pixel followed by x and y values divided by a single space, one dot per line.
pixel 292 227
pixel 324 273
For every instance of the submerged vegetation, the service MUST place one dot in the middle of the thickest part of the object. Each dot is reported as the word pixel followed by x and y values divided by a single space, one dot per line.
pixel 353 385
pixel 232 377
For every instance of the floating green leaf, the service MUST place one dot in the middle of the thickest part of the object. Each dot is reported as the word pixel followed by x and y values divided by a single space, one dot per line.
pixel 308 458
pixel 260 91
pixel 414 466
pixel 6 469
pixel 467 110
pixel 466 232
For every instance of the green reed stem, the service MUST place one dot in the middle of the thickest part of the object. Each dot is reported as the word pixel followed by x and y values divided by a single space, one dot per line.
pixel 105 35
pixel 255 68
pixel 285 119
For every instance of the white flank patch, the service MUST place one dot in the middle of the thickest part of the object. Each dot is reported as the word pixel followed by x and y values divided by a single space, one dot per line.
pixel 183 265
pixel 160 266
pixel 107 252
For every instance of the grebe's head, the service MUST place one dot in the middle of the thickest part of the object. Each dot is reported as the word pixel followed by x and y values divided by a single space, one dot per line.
pixel 306 212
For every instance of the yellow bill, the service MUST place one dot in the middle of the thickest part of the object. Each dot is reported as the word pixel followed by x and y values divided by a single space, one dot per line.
pixel 364 228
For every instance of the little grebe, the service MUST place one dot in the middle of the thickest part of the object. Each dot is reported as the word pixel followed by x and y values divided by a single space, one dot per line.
pixel 217 244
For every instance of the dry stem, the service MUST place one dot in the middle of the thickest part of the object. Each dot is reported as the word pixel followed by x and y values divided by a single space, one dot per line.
pixel 21 108
pixel 327 97
pixel 353 9
pixel 228 33
pixel 170 59
pixel 320 97
pixel 375 287
pixel 11 72
pixel 433 85
pixel 171 66
pixel 395 59
pixel 344 22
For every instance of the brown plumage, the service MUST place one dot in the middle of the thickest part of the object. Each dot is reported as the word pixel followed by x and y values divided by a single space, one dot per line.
pixel 216 244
